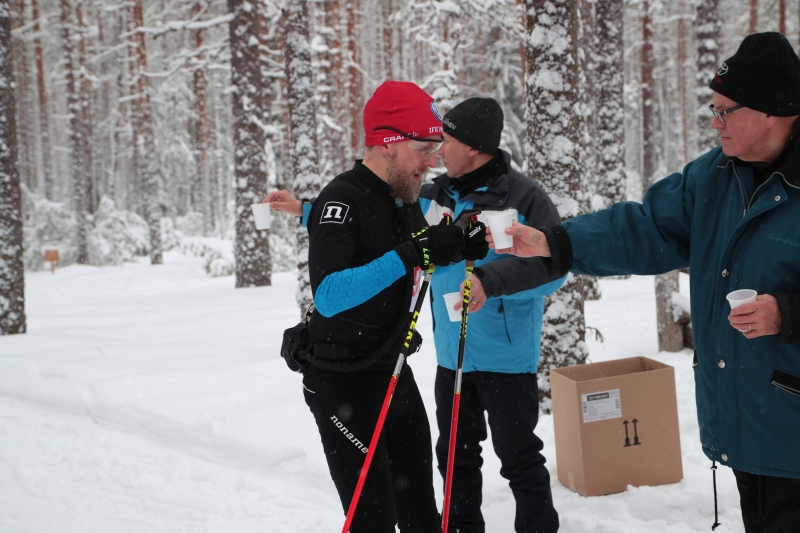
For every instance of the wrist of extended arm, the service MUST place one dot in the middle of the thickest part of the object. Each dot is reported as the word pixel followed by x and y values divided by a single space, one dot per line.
pixel 560 260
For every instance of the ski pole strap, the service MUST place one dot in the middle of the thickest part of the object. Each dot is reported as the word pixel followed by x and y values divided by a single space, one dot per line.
pixel 412 326
pixel 716 513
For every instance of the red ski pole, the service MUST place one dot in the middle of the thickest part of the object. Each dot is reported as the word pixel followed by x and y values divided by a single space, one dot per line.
pixel 373 443
pixel 451 453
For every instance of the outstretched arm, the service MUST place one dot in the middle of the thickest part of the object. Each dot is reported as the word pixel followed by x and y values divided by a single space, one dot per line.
pixel 284 201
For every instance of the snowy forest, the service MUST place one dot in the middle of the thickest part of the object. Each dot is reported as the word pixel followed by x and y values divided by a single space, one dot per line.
pixel 132 128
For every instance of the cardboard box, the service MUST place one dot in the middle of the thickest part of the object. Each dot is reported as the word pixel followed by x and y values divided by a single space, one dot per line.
pixel 616 424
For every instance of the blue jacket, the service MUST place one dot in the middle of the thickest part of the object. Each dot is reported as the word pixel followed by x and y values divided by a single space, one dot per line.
pixel 710 218
pixel 505 334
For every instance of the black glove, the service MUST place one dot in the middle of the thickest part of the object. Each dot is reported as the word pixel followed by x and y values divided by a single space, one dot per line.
pixel 434 245
pixel 475 244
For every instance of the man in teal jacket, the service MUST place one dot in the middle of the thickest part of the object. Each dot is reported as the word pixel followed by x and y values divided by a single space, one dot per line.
pixel 505 325
pixel 733 216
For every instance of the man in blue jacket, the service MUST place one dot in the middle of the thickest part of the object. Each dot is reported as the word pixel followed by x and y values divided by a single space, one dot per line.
pixel 733 216
pixel 505 325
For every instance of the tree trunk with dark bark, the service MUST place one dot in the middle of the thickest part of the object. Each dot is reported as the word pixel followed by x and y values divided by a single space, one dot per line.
pixel 554 136
pixel 78 134
pixel 611 101
pixel 202 182
pixel 26 151
pixel 303 130
pixel 670 333
pixel 353 82
pixel 709 39
pixel 48 181
pixel 12 274
pixel 147 163
pixel 251 249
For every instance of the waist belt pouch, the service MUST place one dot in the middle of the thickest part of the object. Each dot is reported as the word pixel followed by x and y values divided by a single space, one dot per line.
pixel 295 347
pixel 338 330
pixel 338 352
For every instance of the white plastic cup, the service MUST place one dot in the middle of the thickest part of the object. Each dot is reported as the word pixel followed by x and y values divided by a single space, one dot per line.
pixel 450 301
pixel 741 297
pixel 262 214
pixel 499 222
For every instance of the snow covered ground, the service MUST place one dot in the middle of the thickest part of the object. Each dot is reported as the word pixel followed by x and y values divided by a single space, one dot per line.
pixel 153 399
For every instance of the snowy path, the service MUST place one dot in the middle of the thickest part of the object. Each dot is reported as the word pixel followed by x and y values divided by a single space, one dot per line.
pixel 152 399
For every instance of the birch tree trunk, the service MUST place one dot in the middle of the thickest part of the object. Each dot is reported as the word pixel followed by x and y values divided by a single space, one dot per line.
pixel 12 274
pixel 709 38
pixel 553 154
pixel 303 130
pixel 670 333
pixel 251 250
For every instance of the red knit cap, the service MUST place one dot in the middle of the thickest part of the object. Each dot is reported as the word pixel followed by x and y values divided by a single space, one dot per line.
pixel 400 110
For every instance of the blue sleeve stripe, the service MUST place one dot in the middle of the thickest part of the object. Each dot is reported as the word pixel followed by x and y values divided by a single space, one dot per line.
pixel 348 288
pixel 306 213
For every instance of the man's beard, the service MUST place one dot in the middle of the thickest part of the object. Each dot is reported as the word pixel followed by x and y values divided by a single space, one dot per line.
pixel 402 183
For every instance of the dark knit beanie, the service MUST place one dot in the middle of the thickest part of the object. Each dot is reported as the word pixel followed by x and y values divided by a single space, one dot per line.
pixel 763 74
pixel 476 122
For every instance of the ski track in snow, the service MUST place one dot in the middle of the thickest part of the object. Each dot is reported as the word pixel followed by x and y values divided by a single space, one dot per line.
pixel 153 399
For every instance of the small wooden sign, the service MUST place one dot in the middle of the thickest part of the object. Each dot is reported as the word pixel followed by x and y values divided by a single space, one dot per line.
pixel 52 257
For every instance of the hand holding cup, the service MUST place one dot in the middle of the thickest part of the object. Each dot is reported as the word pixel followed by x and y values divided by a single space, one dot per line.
pixel 754 315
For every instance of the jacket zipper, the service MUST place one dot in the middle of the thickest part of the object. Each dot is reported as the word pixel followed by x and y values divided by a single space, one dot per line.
pixel 741 189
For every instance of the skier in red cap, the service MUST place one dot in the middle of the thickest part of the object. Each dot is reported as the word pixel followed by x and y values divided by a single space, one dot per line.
pixel 369 244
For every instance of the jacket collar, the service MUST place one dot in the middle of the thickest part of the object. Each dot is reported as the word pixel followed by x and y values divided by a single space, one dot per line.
pixel 789 169
pixel 495 194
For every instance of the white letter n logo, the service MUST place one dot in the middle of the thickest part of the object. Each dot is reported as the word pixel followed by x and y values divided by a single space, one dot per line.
pixel 334 212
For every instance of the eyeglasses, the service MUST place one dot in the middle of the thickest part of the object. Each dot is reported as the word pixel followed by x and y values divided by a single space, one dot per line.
pixel 432 146
pixel 720 115
pixel 426 148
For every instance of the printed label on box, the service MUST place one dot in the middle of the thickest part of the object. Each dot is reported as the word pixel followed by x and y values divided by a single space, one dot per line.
pixel 602 405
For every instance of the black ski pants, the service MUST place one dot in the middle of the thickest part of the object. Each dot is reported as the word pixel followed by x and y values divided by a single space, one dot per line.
pixel 511 402
pixel 399 485
pixel 769 504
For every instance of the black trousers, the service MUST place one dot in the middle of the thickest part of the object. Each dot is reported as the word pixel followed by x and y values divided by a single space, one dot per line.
pixel 769 504
pixel 399 485
pixel 512 404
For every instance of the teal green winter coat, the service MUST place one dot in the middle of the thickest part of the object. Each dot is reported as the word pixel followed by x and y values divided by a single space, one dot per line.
pixel 710 219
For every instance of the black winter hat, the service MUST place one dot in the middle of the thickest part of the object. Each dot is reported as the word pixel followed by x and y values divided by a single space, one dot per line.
pixel 476 122
pixel 763 74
